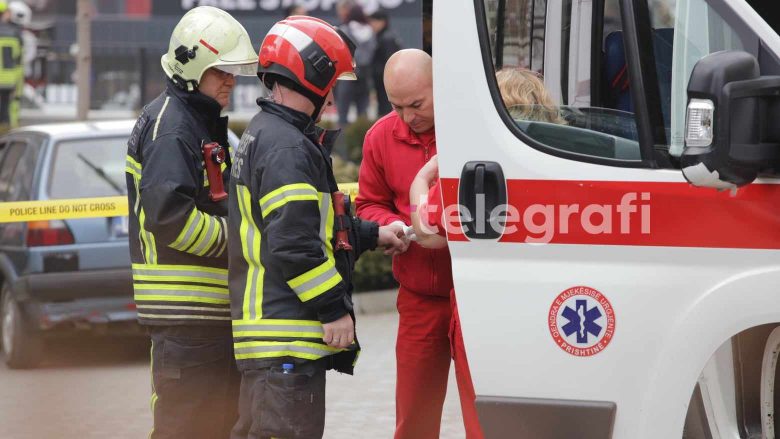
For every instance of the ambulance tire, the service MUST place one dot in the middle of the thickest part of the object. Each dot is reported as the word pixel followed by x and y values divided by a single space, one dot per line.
pixel 22 348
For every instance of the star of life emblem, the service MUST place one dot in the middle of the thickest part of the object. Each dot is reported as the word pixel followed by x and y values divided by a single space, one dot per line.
pixel 581 321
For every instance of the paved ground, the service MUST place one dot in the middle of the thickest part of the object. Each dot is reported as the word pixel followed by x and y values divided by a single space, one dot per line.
pixel 94 389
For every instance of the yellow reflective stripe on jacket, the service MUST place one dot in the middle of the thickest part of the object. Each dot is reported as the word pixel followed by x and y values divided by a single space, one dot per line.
pixel 283 195
pixel 202 234
pixel 189 232
pixel 220 244
pixel 250 248
pixel 181 293
pixel 180 273
pixel 278 328
pixel 209 233
pixel 132 167
pixel 274 349
pixel 149 249
pixel 316 281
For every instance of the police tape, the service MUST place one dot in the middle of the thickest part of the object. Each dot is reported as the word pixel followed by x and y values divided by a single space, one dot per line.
pixel 62 209
pixel 76 208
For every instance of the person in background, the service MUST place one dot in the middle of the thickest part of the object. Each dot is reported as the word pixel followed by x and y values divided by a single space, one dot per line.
pixel 295 10
pixel 525 96
pixel 355 25
pixel 11 67
pixel 178 226
pixel 387 43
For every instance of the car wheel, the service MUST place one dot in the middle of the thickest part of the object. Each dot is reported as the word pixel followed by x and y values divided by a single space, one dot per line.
pixel 22 348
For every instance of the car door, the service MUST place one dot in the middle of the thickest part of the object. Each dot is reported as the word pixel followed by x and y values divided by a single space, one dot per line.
pixel 17 172
pixel 593 281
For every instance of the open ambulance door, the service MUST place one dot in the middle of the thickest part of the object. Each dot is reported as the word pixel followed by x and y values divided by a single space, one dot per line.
pixel 612 244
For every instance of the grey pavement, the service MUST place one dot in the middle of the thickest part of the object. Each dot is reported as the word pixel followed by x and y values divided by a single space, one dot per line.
pixel 100 389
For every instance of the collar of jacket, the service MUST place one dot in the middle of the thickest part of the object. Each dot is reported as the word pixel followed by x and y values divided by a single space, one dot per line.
pixel 302 121
pixel 206 109
pixel 403 133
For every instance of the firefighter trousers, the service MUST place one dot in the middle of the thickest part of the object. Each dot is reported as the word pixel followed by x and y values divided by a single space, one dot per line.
pixel 275 404
pixel 424 349
pixel 195 382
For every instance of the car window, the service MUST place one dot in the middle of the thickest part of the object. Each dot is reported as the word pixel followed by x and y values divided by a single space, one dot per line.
pixel 7 168
pixel 88 168
pixel 22 180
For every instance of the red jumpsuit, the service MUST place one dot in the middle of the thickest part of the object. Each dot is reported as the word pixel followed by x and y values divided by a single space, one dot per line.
pixel 392 156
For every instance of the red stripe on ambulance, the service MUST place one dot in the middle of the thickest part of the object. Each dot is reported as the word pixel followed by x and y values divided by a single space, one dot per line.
pixel 634 213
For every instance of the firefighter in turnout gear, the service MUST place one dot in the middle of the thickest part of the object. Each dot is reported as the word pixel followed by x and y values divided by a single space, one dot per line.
pixel 11 68
pixel 292 250
pixel 178 236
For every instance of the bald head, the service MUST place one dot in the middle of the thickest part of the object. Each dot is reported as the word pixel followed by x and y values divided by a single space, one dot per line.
pixel 409 84
pixel 409 68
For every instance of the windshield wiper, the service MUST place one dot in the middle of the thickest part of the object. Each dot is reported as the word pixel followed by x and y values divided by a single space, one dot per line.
pixel 101 173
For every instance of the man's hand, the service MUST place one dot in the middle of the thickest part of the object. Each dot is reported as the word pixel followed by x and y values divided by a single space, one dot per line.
pixel 339 333
pixel 393 238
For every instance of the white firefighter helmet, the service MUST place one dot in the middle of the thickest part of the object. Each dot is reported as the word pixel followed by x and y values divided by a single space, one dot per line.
pixel 21 14
pixel 208 37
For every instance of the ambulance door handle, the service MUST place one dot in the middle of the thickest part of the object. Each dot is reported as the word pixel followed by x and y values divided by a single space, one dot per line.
pixel 482 189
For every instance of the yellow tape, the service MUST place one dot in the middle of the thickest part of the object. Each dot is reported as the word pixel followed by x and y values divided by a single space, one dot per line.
pixel 62 209
pixel 350 189
pixel 22 211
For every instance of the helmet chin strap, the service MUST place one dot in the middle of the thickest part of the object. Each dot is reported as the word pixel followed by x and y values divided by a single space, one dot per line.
pixel 278 97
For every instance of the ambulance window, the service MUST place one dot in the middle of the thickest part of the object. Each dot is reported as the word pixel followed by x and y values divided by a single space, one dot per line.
pixel 565 81
pixel 550 65
pixel 699 29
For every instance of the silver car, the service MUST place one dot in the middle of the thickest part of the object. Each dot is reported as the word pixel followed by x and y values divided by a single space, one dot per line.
pixel 64 277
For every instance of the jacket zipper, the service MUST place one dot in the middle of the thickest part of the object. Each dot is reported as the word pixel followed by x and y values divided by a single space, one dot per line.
pixel 425 148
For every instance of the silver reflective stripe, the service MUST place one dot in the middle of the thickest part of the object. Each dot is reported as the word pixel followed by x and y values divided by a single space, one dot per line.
pixel 220 310
pixel 317 281
pixel 221 239
pixel 181 316
pixel 324 210
pixel 133 165
pixel 212 224
pixel 253 266
pixel 221 249
pixel 264 207
pixel 278 328
pixel 190 231
pixel 295 37
pixel 179 292
pixel 181 273
pixel 282 348
pixel 159 118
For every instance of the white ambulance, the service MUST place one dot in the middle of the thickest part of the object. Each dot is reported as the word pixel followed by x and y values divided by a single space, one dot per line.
pixel 617 271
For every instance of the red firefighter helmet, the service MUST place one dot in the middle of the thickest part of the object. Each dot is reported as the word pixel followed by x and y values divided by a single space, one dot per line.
pixel 309 53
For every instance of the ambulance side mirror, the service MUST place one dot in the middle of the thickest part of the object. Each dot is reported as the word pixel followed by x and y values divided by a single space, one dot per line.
pixel 732 125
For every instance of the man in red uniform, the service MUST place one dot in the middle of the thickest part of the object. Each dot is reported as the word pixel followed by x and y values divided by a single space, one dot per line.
pixel 395 149
pixel 429 229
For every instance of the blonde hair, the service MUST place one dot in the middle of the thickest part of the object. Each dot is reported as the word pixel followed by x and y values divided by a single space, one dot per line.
pixel 525 97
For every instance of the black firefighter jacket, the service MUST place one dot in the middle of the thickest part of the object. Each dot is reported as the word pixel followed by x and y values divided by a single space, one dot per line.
pixel 177 234
pixel 285 277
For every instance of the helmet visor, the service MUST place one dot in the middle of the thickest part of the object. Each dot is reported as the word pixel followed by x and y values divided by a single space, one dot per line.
pixel 347 76
pixel 238 69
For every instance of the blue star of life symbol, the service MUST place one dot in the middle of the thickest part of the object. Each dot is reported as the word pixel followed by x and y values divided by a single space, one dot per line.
pixel 582 321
